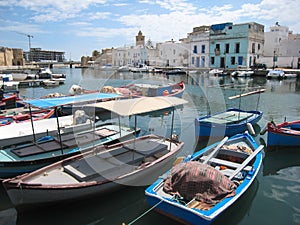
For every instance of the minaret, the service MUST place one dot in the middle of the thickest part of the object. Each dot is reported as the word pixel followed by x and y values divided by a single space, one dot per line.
pixel 140 39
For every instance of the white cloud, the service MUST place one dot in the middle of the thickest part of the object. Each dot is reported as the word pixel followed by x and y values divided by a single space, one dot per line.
pixel 99 15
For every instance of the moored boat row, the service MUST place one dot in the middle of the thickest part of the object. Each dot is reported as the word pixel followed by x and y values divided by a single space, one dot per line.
pixel 237 158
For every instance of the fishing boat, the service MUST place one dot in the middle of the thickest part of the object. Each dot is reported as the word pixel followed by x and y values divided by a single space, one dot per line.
pixel 289 75
pixel 242 73
pixel 286 134
pixel 151 90
pixel 226 123
pixel 17 133
pixel 176 71
pixel 8 99
pixel 27 157
pixel 201 187
pixel 217 72
pixel 24 158
pixel 51 83
pixel 26 116
pixel 104 168
pixel 275 74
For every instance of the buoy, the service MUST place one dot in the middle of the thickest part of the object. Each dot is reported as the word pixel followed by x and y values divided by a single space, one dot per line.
pixel 264 130
pixel 165 93
pixel 250 129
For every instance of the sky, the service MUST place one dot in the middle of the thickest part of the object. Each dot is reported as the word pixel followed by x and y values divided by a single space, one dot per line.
pixel 78 27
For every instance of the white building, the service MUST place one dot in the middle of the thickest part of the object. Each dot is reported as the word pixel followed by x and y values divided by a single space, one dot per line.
pixel 198 42
pixel 173 54
pixel 281 48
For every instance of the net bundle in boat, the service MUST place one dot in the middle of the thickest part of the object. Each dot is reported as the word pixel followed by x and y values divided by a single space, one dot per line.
pixel 197 180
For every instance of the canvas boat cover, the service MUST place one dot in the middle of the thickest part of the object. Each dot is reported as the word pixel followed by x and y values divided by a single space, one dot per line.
pixel 84 98
pixel 200 181
pixel 128 107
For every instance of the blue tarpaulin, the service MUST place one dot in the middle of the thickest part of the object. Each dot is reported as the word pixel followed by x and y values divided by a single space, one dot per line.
pixel 54 102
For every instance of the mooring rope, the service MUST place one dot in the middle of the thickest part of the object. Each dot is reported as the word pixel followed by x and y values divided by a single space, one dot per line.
pixel 140 216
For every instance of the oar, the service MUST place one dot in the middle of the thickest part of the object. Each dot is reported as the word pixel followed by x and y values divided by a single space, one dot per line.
pixel 245 163
pixel 248 93
pixel 215 151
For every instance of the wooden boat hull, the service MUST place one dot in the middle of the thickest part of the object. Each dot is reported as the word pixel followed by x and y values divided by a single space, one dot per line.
pixel 205 127
pixel 167 205
pixel 25 195
pixel 286 134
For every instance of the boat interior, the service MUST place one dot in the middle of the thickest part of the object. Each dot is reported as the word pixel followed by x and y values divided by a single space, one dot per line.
pixel 66 141
pixel 125 158
pixel 232 160
pixel 228 117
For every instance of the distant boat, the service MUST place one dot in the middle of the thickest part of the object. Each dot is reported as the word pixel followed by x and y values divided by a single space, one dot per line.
pixel 152 90
pixel 175 72
pixel 227 123
pixel 142 68
pixel 9 99
pixel 286 134
pixel 51 83
pixel 125 68
pixel 203 186
pixel 19 76
pixel 275 74
pixel 289 75
pixel 23 117
pixel 242 73
pixel 217 72
pixel 103 169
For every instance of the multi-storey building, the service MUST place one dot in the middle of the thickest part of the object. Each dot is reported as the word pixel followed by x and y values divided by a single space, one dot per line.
pixel 199 47
pixel 281 48
pixel 39 55
pixel 235 46
pixel 175 54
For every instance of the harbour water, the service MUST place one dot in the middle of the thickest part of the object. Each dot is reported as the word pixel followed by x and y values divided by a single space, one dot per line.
pixel 272 199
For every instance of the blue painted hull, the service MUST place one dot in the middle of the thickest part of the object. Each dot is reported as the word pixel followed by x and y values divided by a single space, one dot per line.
pixel 286 134
pixel 178 211
pixel 205 129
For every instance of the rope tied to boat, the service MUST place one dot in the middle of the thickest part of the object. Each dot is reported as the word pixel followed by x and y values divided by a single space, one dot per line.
pixel 143 214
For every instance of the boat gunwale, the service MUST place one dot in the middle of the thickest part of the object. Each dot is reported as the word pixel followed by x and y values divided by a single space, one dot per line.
pixel 212 213
pixel 17 183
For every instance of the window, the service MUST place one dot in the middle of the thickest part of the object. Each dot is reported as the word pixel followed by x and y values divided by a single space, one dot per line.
pixel 195 49
pixel 217 49
pixel 193 60
pixel 227 48
pixel 237 47
pixel 174 52
pixel 232 60
pixel 203 49
pixel 240 60
pixel 212 60
pixel 253 47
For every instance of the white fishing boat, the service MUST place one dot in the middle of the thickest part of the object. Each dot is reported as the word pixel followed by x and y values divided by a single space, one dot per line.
pixel 104 168
pixel 275 74
pixel 19 76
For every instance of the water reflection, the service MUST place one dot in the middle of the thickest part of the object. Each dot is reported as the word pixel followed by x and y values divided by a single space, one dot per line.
pixel 276 160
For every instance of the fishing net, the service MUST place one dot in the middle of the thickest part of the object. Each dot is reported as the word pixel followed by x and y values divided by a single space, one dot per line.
pixel 200 181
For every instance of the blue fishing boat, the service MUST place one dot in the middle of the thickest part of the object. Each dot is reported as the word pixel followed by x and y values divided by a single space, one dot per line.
pixel 201 187
pixel 286 134
pixel 228 123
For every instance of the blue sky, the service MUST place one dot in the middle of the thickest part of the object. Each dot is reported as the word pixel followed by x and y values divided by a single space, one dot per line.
pixel 78 27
